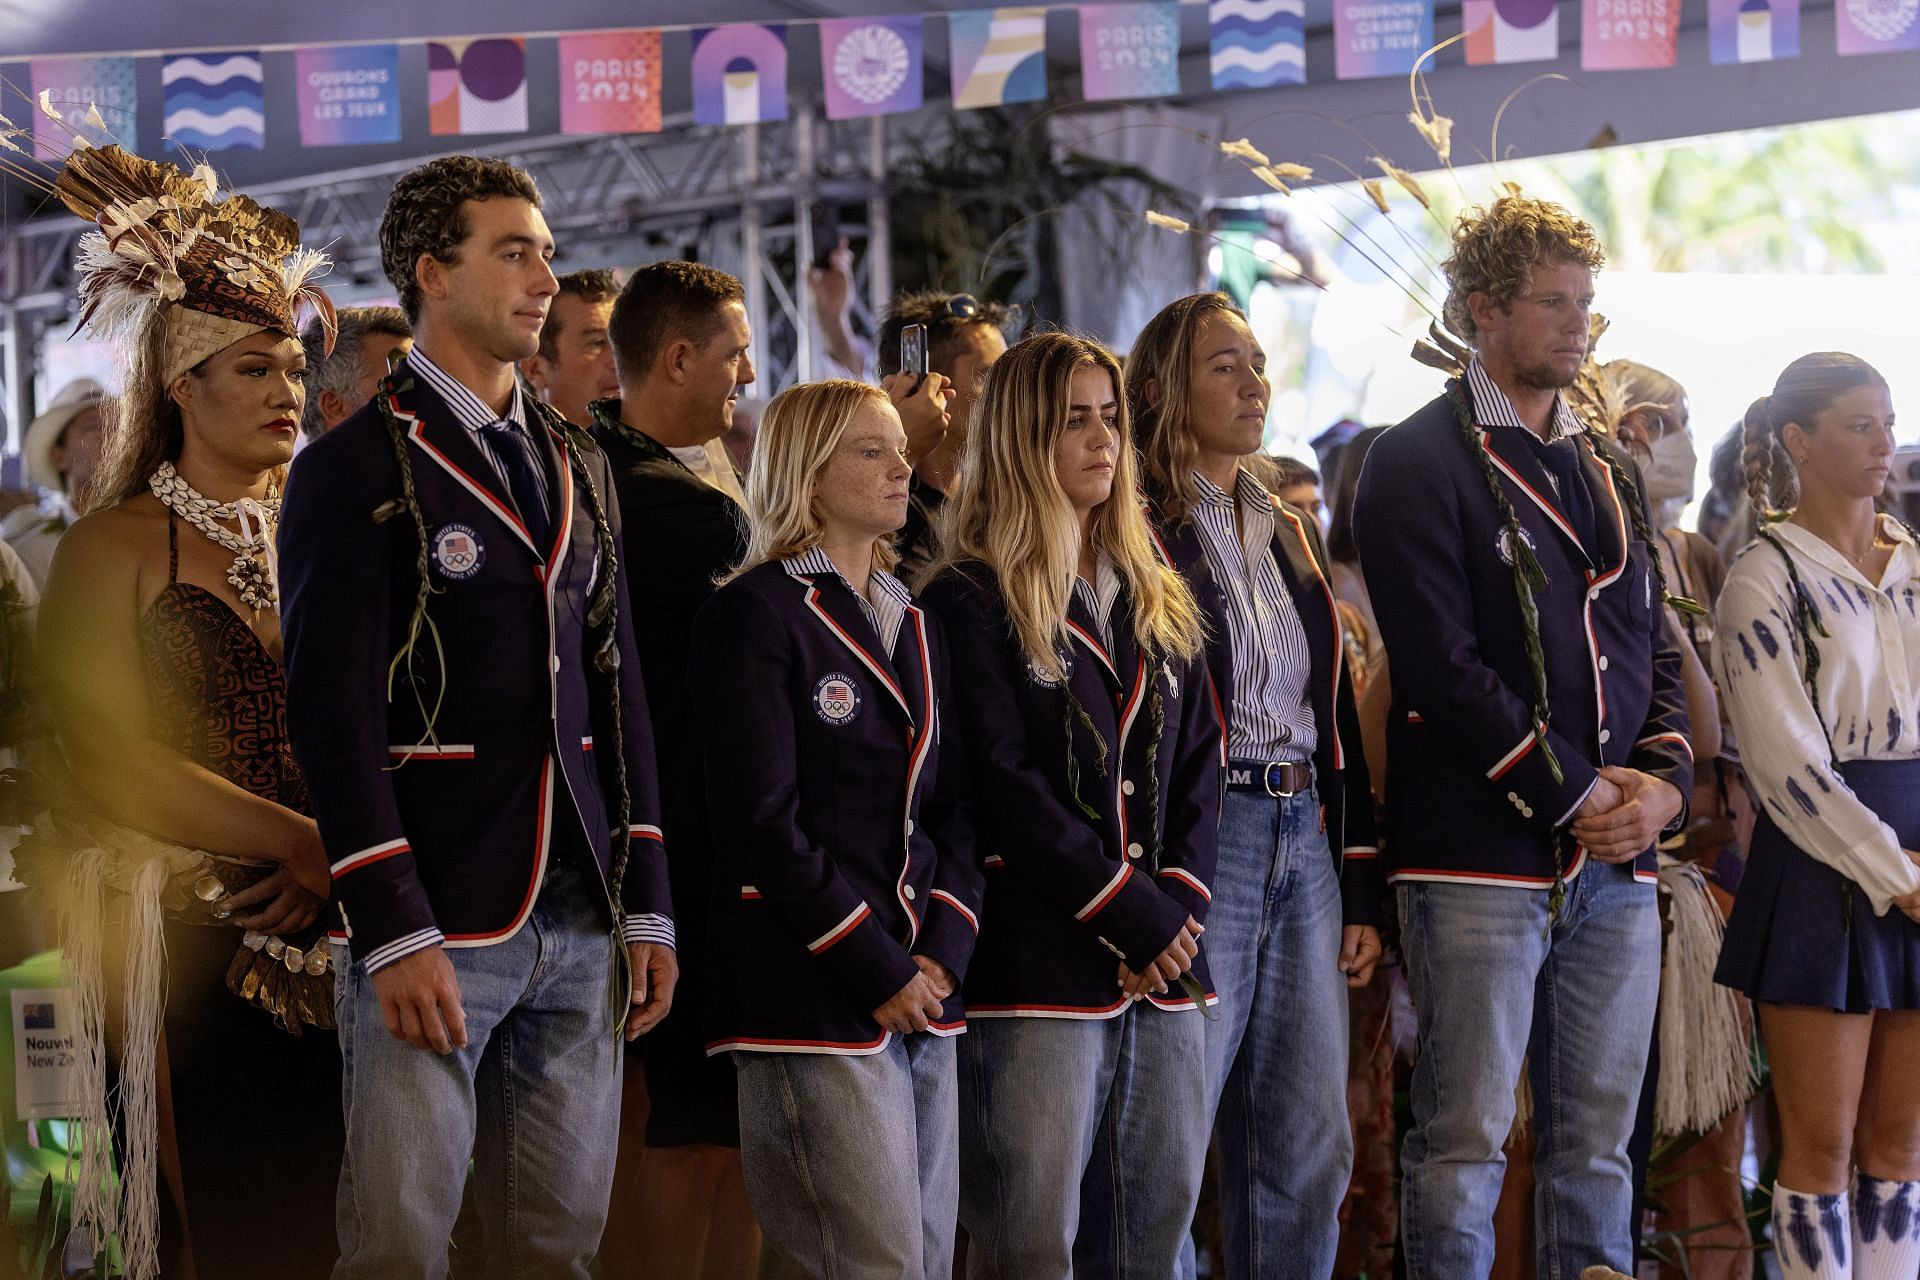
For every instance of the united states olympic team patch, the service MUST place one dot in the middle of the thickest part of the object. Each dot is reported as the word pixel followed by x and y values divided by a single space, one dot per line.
pixel 458 551
pixel 836 699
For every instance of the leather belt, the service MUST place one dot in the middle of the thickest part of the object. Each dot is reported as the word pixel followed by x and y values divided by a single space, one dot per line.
pixel 1277 778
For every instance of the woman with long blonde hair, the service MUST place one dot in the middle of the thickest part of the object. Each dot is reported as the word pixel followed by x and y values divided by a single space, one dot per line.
pixel 1087 714
pixel 846 895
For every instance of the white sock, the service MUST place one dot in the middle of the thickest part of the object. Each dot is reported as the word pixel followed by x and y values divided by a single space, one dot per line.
pixel 1811 1236
pixel 1886 1228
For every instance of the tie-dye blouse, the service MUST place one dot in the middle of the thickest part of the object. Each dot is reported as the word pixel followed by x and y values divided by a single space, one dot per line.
pixel 1868 685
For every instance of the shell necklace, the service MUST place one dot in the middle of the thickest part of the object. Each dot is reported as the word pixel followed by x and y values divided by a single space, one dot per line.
pixel 253 574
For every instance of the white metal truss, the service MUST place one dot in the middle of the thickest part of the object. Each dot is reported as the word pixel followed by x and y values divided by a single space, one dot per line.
pixel 738 198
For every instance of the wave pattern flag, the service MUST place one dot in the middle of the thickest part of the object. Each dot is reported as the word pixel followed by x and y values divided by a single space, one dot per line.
pixel 213 102
pixel 739 74
pixel 476 86
pixel 1631 35
pixel 1258 43
pixel 870 66
pixel 1876 26
pixel 74 87
pixel 1753 30
pixel 610 82
pixel 1511 31
pixel 999 56
pixel 1130 50
pixel 1380 37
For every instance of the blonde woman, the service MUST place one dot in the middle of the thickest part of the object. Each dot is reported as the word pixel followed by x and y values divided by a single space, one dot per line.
pixel 1093 734
pixel 846 896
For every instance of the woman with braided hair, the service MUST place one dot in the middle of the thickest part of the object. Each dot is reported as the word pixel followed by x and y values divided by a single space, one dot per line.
pixel 1818 646
pixel 843 856
pixel 1092 731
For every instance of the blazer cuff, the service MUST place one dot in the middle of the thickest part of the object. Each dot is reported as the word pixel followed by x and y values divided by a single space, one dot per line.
pixel 400 948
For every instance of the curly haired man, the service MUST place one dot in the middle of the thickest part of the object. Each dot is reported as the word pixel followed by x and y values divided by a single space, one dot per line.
pixel 1537 748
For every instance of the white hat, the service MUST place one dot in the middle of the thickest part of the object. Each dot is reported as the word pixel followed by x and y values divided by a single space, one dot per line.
pixel 44 431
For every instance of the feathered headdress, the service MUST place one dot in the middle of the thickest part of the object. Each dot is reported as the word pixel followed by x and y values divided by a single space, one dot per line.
pixel 170 249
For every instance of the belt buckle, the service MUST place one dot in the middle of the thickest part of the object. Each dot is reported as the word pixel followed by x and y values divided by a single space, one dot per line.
pixel 1266 780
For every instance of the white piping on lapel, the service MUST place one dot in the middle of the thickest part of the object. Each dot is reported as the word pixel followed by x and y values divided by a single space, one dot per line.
pixel 417 434
pixel 1099 650
pixel 866 659
pixel 1539 500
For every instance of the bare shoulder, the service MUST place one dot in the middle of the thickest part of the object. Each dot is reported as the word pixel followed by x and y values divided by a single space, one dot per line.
pixel 114 543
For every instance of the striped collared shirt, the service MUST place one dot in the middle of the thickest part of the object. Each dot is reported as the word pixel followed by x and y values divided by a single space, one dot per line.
pixel 885 602
pixel 1492 408
pixel 476 417
pixel 1270 718
pixel 1099 595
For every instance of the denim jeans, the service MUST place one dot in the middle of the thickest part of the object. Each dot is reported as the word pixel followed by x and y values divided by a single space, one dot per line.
pixel 533 1100
pixel 852 1163
pixel 1081 1144
pixel 1492 984
pixel 1277 1056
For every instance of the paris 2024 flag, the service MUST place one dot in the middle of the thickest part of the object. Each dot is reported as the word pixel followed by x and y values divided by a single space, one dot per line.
pixel 870 66
pixel 1501 31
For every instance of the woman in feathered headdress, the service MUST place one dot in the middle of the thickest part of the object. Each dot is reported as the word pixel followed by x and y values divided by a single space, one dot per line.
pixel 186 856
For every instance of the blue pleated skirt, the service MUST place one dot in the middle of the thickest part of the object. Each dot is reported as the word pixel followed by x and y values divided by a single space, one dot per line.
pixel 1803 934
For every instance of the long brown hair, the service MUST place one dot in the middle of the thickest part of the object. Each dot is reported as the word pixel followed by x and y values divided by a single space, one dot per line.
pixel 1159 370
pixel 1803 389
pixel 1009 512
pixel 142 427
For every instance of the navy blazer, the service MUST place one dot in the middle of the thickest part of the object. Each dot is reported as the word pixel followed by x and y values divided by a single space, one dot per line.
pixel 1469 794
pixel 1068 894
pixel 1339 767
pixel 679 534
pixel 842 846
pixel 447 841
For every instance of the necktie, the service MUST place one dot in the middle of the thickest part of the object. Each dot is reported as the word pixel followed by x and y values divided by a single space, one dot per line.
pixel 1562 460
pixel 514 453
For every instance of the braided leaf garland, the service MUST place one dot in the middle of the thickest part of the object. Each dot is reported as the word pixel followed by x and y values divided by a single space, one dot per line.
pixel 603 609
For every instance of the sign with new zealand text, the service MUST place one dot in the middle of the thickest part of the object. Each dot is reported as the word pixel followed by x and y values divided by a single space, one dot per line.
pixel 610 82
pixel 1130 50
pixel 1629 35
pixel 44 1055
pixel 349 94
pixel 1380 37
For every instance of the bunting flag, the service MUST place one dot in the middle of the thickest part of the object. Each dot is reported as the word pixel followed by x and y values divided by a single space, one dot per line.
pixel 739 74
pixel 1380 37
pixel 1130 50
pixel 349 94
pixel 476 86
pixel 213 102
pixel 870 66
pixel 1753 30
pixel 1258 43
pixel 1511 31
pixel 95 98
pixel 610 82
pixel 1876 26
pixel 999 56
pixel 1631 35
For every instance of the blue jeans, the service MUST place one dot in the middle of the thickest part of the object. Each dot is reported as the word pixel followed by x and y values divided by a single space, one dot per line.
pixel 852 1163
pixel 1277 1056
pixel 1081 1144
pixel 1492 984
pixel 533 1100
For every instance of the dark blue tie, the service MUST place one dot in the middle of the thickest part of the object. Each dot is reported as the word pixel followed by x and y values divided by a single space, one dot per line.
pixel 1562 461
pixel 513 451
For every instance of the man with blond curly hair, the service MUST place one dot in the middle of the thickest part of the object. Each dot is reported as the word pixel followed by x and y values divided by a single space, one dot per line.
pixel 1536 751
